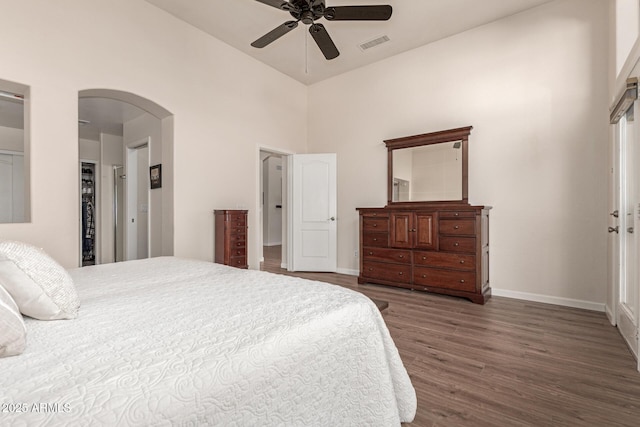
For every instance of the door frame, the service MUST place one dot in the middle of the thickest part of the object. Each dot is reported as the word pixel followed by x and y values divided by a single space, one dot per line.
pixel 132 182
pixel 259 225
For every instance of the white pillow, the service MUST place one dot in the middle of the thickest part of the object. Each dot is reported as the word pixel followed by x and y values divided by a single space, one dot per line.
pixel 41 287
pixel 13 333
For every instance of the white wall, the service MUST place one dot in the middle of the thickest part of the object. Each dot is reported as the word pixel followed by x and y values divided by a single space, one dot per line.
pixel 224 103
pixel 534 86
pixel 626 30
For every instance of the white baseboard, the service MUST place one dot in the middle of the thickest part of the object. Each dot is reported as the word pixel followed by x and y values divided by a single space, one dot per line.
pixel 348 271
pixel 567 302
pixel 610 315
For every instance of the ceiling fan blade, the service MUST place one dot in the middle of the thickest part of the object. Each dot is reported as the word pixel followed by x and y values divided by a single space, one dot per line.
pixel 279 4
pixel 358 13
pixel 275 34
pixel 323 40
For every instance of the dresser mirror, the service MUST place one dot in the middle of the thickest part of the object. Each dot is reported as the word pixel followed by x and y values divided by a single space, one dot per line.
pixel 430 167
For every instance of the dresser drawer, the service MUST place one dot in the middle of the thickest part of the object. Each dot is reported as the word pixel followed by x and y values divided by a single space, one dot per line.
pixel 458 244
pixel 392 272
pixel 447 279
pixel 375 224
pixel 237 242
pixel 238 252
pixel 445 260
pixel 457 226
pixel 457 214
pixel 236 220
pixel 238 261
pixel 375 239
pixel 238 231
pixel 386 255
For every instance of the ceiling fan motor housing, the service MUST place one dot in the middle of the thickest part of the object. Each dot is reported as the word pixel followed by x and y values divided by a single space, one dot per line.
pixel 307 11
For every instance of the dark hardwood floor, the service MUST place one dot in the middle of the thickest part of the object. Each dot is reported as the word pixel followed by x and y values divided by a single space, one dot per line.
pixel 507 363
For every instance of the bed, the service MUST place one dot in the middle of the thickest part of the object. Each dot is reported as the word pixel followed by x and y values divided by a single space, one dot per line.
pixel 170 341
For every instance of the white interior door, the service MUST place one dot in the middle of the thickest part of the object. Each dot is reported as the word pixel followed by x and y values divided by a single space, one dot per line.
pixel 137 184
pixel 313 206
pixel 625 247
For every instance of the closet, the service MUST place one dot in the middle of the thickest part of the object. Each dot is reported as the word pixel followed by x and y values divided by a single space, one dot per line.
pixel 88 213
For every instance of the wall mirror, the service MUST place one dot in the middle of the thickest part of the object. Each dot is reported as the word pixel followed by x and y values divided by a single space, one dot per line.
pixel 430 167
pixel 14 154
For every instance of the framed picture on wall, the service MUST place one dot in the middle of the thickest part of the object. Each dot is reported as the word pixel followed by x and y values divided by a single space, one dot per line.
pixel 155 176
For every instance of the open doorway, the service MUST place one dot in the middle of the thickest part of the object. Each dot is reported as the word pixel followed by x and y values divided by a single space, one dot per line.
pixel 273 208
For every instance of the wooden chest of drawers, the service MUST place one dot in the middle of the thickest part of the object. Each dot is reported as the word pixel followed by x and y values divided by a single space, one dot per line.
pixel 231 237
pixel 436 249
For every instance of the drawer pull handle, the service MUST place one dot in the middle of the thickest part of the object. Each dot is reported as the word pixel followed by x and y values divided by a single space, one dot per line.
pixel 461 280
pixel 375 239
pixel 375 225
pixel 456 244
pixel 370 269
pixel 370 253
pixel 456 214
pixel 400 273
pixel 461 261
pixel 424 276
pixel 424 257
pixel 401 256
pixel 456 227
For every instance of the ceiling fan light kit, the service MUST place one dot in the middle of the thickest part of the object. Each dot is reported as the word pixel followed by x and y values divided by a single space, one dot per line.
pixel 309 11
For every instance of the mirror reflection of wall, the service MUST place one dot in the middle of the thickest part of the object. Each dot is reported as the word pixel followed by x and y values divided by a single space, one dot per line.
pixel 431 172
pixel 14 164
pixel 401 190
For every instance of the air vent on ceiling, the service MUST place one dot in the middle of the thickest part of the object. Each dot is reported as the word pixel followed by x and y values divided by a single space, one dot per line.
pixel 373 43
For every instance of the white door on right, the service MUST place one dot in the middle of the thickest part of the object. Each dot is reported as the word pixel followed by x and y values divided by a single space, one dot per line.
pixel 313 207
pixel 624 232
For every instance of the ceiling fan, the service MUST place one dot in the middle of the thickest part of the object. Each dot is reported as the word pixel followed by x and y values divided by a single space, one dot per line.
pixel 309 11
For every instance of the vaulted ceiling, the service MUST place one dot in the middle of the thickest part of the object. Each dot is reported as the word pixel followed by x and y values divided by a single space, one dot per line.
pixel 413 23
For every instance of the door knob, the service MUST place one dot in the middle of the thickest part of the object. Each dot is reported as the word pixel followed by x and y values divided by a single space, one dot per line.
pixel 333 218
pixel 612 229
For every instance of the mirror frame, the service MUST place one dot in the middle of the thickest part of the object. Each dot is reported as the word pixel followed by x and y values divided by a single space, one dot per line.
pixel 458 134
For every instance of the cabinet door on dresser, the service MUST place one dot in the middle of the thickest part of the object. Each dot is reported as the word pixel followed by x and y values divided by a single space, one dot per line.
pixel 426 232
pixel 401 224
pixel 414 230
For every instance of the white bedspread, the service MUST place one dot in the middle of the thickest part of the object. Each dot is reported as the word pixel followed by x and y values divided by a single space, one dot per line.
pixel 168 341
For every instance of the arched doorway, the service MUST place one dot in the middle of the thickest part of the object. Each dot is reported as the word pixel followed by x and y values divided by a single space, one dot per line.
pixel 115 129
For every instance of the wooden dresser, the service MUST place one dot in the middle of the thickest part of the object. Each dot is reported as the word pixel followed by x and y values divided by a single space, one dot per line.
pixel 442 249
pixel 231 237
